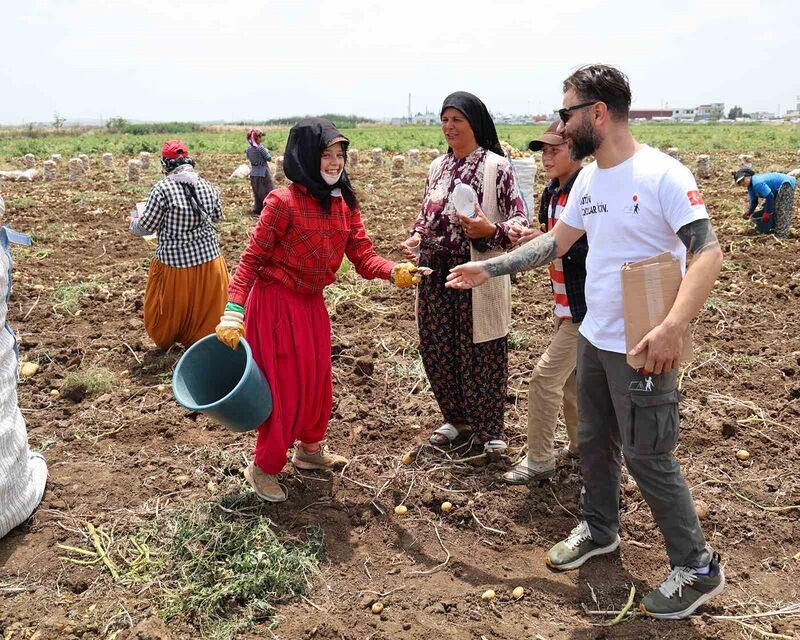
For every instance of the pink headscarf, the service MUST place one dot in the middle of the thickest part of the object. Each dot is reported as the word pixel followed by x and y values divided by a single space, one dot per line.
pixel 252 135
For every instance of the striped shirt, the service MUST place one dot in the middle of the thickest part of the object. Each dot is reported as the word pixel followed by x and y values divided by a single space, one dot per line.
pixel 186 237
pixel 557 203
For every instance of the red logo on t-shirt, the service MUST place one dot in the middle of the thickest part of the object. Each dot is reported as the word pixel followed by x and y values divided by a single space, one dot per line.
pixel 695 198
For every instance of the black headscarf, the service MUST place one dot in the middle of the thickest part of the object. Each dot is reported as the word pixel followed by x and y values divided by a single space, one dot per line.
pixel 301 160
pixel 742 173
pixel 479 119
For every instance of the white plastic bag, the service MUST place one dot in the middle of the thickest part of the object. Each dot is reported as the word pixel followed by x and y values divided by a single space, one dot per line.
pixel 464 199
pixel 525 168
pixel 240 172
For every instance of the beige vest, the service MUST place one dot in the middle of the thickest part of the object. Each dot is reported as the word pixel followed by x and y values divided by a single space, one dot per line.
pixel 491 302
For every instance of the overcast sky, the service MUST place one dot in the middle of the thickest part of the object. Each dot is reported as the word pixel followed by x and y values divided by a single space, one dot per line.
pixel 236 60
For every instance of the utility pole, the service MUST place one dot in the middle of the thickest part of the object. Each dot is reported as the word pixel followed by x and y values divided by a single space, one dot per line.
pixel 409 107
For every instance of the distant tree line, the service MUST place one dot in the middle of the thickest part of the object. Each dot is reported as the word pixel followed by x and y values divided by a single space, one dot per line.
pixel 339 120
pixel 121 125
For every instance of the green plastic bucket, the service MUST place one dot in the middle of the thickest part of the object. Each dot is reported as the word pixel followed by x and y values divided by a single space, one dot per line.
pixel 223 383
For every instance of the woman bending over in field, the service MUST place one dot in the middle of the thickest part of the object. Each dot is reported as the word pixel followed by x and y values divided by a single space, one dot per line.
pixel 777 190
pixel 188 278
pixel 463 334
pixel 304 232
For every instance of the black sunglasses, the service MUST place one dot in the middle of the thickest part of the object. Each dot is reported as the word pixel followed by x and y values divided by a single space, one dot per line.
pixel 564 113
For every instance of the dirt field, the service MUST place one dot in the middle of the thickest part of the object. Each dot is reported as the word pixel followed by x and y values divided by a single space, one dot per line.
pixel 128 457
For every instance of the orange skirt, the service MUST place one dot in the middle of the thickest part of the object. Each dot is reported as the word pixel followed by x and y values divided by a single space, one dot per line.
pixel 184 304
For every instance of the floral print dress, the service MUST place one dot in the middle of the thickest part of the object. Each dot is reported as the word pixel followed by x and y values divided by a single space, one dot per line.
pixel 468 380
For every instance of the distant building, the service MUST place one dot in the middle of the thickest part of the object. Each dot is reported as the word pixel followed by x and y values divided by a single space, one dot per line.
pixel 711 111
pixel 426 118
pixel 795 113
pixel 683 115
pixel 650 114
pixel 761 115
pixel 511 118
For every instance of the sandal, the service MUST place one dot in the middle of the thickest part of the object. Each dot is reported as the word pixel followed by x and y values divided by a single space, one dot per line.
pixel 447 434
pixel 495 447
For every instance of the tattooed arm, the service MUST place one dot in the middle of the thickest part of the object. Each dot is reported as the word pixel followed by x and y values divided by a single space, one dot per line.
pixel 698 237
pixel 664 344
pixel 539 251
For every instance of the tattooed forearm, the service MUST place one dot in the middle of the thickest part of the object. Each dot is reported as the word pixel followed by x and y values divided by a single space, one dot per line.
pixel 698 236
pixel 535 253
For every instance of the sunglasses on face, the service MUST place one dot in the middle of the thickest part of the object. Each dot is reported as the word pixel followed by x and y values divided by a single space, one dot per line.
pixel 566 112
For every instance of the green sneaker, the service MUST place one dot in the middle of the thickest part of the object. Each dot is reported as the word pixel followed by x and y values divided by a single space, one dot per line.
pixel 683 591
pixel 576 549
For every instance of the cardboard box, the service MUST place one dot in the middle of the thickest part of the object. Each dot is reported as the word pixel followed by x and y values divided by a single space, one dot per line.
pixel 649 289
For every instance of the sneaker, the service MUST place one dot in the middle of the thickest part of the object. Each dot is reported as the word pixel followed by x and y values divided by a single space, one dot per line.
pixel 576 549
pixel 320 459
pixel 265 485
pixel 683 591
pixel 527 471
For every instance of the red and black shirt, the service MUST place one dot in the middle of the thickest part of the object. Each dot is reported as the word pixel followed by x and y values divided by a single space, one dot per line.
pixel 568 273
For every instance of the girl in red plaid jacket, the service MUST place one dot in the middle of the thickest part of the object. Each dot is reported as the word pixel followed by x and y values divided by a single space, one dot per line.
pixel 301 238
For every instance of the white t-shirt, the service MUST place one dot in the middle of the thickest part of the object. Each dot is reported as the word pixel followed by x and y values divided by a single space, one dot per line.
pixel 630 212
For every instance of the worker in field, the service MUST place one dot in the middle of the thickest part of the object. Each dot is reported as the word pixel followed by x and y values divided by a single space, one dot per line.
pixel 260 177
pixel 463 337
pixel 623 410
pixel 777 191
pixel 188 279
pixel 553 378
pixel 304 232
pixel 23 473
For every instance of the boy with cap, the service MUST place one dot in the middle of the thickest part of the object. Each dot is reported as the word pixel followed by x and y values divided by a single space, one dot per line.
pixel 553 379
pixel 187 285
pixel 777 189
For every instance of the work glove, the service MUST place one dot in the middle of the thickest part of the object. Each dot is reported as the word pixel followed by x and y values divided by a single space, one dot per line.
pixel 403 275
pixel 231 325
pixel 747 215
pixel 765 217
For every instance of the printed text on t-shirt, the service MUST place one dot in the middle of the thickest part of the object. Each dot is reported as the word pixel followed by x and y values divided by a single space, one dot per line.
pixel 587 208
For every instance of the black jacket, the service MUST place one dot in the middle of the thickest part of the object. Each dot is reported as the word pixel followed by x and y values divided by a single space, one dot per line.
pixel 574 261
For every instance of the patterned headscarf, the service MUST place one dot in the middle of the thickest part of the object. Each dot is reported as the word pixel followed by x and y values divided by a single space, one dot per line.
pixel 252 135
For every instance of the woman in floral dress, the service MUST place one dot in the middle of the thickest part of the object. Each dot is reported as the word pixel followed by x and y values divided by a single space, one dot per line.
pixel 463 339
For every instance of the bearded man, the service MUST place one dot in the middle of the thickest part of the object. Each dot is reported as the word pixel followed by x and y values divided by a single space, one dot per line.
pixel 633 202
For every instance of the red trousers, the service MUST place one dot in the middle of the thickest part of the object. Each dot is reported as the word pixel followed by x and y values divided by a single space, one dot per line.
pixel 290 335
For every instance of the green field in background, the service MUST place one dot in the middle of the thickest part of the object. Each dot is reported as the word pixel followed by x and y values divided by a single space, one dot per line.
pixel 690 137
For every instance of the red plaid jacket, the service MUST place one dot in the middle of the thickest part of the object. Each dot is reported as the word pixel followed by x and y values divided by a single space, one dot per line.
pixel 298 244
